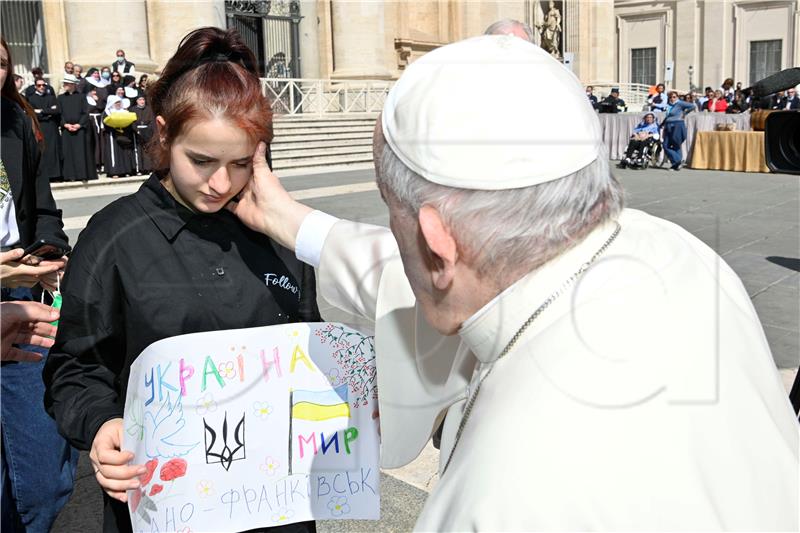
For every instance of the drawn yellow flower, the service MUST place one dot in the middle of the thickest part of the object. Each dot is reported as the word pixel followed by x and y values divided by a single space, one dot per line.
pixel 205 488
pixel 269 466
pixel 262 409
pixel 227 370
pixel 206 404
pixel 338 506
pixel 283 514
pixel 333 376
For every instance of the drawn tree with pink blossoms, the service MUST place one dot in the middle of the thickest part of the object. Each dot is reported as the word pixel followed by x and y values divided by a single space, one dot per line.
pixel 355 355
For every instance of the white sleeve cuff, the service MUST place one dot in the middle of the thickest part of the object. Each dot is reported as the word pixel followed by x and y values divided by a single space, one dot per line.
pixel 311 236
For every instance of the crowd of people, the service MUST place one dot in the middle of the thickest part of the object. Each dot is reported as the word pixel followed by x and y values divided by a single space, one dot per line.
pixel 99 122
pixel 725 99
pixel 492 244
pixel 672 130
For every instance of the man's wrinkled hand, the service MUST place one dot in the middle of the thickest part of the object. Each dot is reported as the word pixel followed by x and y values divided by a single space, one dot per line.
pixel 265 206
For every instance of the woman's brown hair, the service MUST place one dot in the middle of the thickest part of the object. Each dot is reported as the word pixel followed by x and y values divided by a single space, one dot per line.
pixel 9 91
pixel 212 74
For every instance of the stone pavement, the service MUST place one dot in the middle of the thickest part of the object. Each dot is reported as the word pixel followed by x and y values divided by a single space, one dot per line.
pixel 751 220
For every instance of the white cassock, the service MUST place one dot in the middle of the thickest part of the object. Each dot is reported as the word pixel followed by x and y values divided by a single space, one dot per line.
pixel 644 398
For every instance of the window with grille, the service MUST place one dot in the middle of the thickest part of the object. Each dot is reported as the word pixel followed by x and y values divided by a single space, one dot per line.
pixel 765 59
pixel 643 66
pixel 23 29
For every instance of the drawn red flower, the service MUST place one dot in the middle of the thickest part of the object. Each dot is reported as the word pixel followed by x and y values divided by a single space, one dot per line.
pixel 155 489
pixel 136 498
pixel 173 469
pixel 151 468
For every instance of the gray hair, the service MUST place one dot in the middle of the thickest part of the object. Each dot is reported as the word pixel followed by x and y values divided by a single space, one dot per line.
pixel 506 26
pixel 511 231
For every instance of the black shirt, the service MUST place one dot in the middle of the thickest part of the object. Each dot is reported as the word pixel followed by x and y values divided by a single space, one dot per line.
pixel 144 269
pixel 610 104
pixel 37 214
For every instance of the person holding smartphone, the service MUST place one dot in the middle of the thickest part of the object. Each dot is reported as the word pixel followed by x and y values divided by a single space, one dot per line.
pixel 38 465
pixel 169 259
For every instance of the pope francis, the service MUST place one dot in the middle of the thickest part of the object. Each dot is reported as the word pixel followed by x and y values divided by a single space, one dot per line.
pixel 595 368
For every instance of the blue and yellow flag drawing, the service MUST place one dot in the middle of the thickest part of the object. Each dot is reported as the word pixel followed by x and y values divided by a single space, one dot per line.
pixel 320 405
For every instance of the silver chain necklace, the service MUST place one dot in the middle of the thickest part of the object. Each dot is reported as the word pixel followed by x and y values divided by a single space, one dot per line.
pixel 564 286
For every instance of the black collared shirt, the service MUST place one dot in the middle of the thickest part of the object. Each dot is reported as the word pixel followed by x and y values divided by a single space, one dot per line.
pixel 144 269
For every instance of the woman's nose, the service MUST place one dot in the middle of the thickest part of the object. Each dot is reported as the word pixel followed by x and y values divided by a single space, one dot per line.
pixel 220 181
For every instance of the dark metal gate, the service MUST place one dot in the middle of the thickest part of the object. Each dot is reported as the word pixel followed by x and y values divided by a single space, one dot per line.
pixel 271 28
pixel 23 29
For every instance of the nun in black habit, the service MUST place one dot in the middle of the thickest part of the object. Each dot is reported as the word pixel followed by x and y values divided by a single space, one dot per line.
pixel 96 108
pixel 118 142
pixel 46 108
pixel 77 163
pixel 144 127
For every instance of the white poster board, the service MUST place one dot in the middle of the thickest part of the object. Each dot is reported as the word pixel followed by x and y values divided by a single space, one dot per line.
pixel 249 428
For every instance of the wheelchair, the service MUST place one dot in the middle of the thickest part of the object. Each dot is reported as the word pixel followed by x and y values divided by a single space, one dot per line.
pixel 652 154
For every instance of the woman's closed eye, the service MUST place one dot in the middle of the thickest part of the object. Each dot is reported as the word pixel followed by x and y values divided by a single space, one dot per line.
pixel 206 162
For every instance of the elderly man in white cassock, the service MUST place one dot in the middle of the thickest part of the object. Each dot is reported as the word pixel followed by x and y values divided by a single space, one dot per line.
pixel 596 368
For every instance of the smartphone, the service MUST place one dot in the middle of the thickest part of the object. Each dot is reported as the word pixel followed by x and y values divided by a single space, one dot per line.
pixel 47 249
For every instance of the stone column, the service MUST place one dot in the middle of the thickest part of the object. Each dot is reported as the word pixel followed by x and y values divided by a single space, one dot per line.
pixel 361 40
pixel 171 20
pixel 309 40
pixel 572 31
pixel 55 31
pixel 603 42
pixel 590 34
pixel 96 29
pixel 795 60
pixel 686 47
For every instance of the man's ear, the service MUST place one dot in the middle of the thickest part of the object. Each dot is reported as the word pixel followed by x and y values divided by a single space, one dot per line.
pixel 377 141
pixel 442 245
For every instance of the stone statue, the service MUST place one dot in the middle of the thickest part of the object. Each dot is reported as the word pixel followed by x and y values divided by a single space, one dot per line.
pixel 537 22
pixel 551 34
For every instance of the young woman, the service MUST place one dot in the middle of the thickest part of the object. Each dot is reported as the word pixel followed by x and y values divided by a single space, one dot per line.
pixel 116 82
pixel 727 89
pixel 38 465
pixel 169 259
pixel 142 86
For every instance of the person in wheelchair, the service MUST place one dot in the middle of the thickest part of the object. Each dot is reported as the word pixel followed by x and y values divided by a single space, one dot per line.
pixel 644 135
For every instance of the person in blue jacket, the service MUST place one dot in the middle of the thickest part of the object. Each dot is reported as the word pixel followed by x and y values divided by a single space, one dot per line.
pixel 675 129
pixel 658 100
pixel 643 134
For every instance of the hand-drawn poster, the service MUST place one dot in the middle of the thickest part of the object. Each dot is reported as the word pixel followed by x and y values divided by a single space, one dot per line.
pixel 249 428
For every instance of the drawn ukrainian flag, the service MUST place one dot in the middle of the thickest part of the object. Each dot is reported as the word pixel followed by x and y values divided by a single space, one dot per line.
pixel 320 405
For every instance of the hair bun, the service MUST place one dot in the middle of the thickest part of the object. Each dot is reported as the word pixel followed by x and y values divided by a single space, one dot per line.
pixel 199 47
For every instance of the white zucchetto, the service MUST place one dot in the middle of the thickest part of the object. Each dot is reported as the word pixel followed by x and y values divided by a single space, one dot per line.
pixel 490 113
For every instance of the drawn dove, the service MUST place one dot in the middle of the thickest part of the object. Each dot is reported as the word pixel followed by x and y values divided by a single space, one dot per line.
pixel 161 431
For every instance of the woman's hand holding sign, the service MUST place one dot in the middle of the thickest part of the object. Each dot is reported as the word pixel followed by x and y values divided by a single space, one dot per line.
pixel 110 462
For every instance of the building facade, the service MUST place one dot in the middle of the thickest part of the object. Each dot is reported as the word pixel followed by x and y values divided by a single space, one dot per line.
pixel 704 42
pixel 690 42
